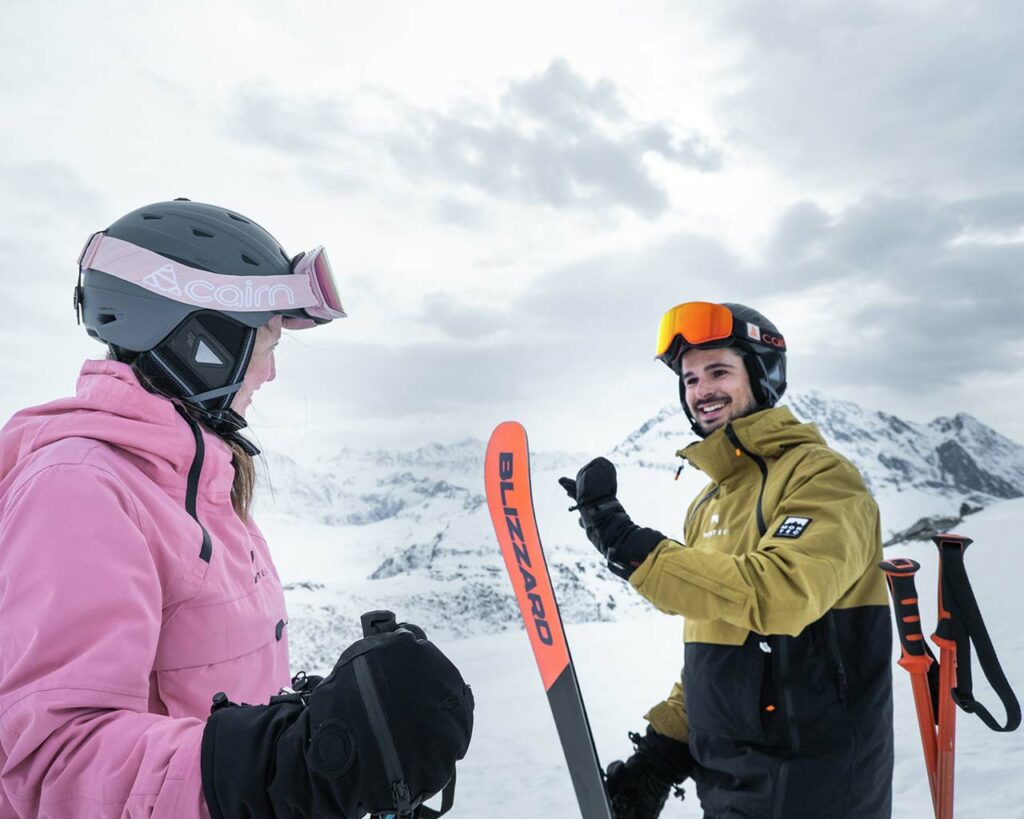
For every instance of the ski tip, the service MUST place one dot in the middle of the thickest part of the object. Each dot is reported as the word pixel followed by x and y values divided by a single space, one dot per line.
pixel 507 426
pixel 508 434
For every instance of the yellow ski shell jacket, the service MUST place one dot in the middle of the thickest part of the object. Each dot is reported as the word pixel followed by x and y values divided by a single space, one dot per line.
pixel 787 632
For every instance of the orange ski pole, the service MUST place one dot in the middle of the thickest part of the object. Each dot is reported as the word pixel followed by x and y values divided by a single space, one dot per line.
pixel 915 658
pixel 945 640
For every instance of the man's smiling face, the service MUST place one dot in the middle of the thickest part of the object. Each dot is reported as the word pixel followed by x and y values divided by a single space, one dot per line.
pixel 717 387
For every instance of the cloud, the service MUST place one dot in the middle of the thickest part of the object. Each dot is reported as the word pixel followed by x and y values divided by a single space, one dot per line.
pixel 572 342
pixel 997 212
pixel 622 296
pixel 917 306
pixel 458 320
pixel 553 139
pixel 924 96
pixel 464 212
pixel 47 194
pixel 901 303
pixel 290 124
pixel 559 96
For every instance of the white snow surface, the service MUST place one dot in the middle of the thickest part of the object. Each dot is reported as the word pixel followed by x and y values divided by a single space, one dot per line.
pixel 409 531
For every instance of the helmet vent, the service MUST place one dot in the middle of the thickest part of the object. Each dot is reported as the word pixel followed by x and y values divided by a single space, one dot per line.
pixel 202 234
pixel 148 216
pixel 250 260
pixel 106 318
pixel 237 218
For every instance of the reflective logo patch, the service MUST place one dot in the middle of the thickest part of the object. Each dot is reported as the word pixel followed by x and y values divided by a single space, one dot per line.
pixel 792 527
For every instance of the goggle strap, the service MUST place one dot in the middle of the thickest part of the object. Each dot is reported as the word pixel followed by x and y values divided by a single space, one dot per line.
pixel 200 288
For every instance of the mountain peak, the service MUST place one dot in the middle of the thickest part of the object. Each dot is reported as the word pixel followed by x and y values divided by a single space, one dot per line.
pixel 958 458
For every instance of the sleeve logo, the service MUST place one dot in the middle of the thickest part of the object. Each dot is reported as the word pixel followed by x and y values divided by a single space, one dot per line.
pixel 792 527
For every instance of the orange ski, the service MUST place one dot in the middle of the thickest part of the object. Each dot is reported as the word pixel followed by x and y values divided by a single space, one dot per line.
pixel 510 501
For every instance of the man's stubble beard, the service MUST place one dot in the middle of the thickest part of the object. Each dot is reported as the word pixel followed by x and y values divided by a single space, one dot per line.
pixel 750 409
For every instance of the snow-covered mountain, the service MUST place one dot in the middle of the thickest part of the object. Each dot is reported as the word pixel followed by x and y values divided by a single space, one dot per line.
pixel 912 469
pixel 409 530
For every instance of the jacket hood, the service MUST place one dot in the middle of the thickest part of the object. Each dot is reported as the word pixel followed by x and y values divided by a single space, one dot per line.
pixel 767 433
pixel 110 406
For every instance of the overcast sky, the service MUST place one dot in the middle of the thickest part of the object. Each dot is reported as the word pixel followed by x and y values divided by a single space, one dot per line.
pixel 512 195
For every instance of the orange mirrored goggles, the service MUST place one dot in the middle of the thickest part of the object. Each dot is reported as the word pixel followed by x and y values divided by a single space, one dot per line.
pixel 697 322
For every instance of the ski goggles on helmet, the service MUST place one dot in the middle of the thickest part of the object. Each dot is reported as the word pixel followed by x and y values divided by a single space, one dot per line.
pixel 697 323
pixel 316 267
pixel 307 296
pixel 704 324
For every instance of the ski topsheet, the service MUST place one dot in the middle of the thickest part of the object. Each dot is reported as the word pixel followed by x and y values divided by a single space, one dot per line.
pixel 510 500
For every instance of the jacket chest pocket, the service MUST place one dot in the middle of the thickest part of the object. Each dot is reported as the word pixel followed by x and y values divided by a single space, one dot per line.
pixel 237 645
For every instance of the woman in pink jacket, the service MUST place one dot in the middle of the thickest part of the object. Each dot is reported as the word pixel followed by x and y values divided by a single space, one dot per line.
pixel 136 591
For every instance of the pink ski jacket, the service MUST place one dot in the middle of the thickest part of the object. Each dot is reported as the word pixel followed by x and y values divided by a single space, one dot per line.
pixel 121 614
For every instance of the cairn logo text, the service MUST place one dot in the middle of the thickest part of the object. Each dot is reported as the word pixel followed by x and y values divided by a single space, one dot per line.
pixel 245 295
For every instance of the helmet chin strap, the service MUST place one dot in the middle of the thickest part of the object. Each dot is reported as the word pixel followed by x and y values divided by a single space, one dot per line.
pixel 225 422
pixel 228 424
pixel 221 420
pixel 209 395
pixel 686 408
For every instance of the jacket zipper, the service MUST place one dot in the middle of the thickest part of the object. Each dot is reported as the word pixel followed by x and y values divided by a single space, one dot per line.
pixel 769 691
pixel 192 486
pixel 381 730
pixel 762 527
pixel 837 656
pixel 782 645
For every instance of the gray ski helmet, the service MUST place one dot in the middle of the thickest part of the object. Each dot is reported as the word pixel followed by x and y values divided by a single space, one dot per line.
pixel 763 349
pixel 202 236
pixel 197 353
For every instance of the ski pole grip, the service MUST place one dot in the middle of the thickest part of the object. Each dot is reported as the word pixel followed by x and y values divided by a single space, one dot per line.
pixel 949 541
pixel 899 574
pixel 951 548
pixel 378 622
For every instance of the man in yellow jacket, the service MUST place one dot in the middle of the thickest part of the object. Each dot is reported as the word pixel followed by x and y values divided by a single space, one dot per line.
pixel 784 709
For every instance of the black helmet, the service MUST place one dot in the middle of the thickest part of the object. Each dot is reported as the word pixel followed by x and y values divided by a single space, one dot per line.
pixel 704 325
pixel 179 289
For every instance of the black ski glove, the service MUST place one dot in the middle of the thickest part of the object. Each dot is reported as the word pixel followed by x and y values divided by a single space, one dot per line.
pixel 624 544
pixel 380 734
pixel 639 787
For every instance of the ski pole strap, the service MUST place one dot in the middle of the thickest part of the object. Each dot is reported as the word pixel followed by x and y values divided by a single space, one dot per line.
pixel 968 627
pixel 424 812
pixel 447 800
pixel 917 656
